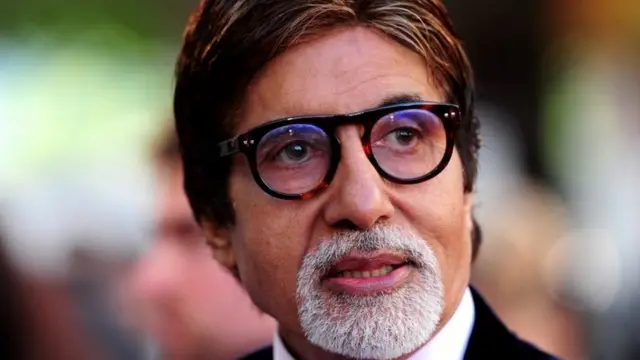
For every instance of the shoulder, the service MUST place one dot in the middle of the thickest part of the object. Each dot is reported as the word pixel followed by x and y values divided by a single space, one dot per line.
pixel 262 354
pixel 490 338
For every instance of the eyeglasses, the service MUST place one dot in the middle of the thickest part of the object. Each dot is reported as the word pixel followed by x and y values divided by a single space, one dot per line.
pixel 295 158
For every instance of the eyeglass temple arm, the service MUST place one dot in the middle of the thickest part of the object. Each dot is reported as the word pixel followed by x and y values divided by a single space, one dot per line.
pixel 228 147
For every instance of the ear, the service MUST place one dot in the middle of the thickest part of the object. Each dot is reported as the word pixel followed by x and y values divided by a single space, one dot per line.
pixel 472 226
pixel 219 240
pixel 469 201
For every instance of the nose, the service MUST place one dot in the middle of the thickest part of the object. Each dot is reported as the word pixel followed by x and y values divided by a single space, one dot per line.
pixel 357 196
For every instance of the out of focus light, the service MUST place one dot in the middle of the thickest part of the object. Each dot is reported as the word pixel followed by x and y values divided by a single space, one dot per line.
pixel 589 268
pixel 76 122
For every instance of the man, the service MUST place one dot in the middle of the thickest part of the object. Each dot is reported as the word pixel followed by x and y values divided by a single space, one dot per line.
pixel 330 151
pixel 190 304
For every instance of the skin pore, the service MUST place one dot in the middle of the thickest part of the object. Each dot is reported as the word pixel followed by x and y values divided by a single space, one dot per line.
pixel 345 70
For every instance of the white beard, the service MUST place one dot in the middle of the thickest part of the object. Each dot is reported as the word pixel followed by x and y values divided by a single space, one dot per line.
pixel 384 326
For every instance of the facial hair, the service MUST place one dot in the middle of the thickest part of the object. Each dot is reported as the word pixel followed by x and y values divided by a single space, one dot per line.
pixel 380 326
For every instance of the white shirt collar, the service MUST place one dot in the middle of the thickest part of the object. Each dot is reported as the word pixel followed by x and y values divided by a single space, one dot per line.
pixel 449 344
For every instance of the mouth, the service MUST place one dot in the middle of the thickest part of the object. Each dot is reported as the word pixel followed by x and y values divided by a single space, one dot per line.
pixel 369 274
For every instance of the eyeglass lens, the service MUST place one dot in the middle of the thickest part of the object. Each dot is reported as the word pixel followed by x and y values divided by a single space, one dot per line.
pixel 406 144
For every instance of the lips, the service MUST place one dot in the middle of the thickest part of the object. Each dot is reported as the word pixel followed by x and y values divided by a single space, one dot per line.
pixel 369 274
pixel 365 265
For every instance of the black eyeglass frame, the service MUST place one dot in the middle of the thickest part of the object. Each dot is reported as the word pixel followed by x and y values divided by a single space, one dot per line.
pixel 247 143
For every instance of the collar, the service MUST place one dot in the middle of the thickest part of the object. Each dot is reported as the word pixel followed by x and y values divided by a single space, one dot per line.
pixel 449 344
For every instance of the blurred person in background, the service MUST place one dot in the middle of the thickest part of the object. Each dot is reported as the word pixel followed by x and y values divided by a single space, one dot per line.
pixel 66 236
pixel 93 283
pixel 191 306
pixel 330 152
pixel 37 318
pixel 14 332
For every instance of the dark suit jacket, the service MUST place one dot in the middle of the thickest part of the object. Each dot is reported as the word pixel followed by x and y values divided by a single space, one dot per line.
pixel 490 339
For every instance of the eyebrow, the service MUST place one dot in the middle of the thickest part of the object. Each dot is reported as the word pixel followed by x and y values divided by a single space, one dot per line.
pixel 400 99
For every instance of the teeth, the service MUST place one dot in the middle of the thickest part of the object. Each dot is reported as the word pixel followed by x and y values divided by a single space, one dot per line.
pixel 367 274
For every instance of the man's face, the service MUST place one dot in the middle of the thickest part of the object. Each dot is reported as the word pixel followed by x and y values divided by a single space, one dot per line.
pixel 190 303
pixel 366 261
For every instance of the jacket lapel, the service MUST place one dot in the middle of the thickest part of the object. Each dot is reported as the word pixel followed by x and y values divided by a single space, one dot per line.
pixel 490 338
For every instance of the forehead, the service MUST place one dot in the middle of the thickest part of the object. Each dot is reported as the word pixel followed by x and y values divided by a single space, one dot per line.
pixel 345 70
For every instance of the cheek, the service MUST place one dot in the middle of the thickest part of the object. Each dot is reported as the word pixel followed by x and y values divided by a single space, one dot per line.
pixel 269 240
pixel 436 209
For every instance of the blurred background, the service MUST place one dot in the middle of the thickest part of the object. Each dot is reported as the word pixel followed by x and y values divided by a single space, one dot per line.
pixel 86 86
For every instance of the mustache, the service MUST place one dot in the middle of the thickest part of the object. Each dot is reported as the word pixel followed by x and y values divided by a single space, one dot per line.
pixel 387 238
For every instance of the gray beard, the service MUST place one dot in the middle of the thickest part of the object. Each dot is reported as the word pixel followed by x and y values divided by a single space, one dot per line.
pixel 384 326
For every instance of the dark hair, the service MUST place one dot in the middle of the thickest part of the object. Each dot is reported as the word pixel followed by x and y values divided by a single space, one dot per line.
pixel 228 41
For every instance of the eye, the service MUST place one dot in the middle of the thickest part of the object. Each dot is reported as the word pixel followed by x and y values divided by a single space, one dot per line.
pixel 292 145
pixel 402 138
pixel 294 152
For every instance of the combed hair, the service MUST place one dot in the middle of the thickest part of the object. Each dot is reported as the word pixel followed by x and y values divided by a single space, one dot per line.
pixel 227 42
